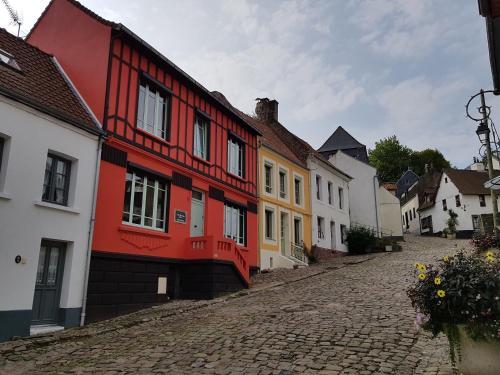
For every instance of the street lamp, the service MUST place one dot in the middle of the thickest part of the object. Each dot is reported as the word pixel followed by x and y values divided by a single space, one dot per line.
pixel 483 132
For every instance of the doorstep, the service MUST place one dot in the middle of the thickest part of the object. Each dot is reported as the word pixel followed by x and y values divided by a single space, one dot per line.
pixel 46 328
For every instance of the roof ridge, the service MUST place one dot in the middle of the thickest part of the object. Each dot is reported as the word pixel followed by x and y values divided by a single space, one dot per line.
pixel 19 39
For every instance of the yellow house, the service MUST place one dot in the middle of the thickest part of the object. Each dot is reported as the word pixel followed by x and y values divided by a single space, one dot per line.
pixel 284 201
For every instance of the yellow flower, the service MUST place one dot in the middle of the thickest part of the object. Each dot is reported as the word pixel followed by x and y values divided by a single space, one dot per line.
pixel 489 254
pixel 446 258
pixel 490 259
pixel 421 267
pixel 441 293
pixel 422 276
pixel 437 280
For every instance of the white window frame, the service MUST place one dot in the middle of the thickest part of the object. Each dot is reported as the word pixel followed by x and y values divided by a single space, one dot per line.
pixel 268 188
pixel 232 223
pixel 200 144
pixel 159 130
pixel 143 203
pixel 283 171
pixel 341 198
pixel 273 220
pixel 330 193
pixel 301 195
pixel 320 221
pixel 235 157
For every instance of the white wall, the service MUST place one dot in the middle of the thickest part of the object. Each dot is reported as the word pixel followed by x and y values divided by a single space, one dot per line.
pixel 390 214
pixel 363 189
pixel 24 219
pixel 469 206
pixel 414 222
pixel 329 212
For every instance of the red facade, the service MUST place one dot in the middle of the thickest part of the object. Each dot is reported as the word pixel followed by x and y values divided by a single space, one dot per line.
pixel 107 62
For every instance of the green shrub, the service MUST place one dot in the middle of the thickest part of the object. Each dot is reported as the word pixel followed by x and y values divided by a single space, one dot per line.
pixel 360 240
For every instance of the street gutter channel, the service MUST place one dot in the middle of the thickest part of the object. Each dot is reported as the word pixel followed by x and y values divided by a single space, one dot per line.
pixel 22 344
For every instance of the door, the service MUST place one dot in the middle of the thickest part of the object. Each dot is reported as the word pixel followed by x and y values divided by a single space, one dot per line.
pixel 197 213
pixel 48 283
pixel 332 235
pixel 297 231
pixel 283 232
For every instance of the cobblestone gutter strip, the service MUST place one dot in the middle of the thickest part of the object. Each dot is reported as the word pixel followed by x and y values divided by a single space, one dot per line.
pixel 160 312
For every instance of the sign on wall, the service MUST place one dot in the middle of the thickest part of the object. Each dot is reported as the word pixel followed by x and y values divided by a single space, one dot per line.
pixel 180 216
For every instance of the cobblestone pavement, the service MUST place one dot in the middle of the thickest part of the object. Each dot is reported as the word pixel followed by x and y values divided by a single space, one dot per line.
pixel 348 316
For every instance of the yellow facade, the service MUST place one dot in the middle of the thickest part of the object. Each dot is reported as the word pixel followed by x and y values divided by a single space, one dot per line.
pixel 284 216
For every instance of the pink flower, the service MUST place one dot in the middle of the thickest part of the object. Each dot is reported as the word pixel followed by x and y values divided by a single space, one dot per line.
pixel 420 320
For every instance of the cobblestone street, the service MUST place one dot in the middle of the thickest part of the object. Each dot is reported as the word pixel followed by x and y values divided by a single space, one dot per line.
pixel 349 316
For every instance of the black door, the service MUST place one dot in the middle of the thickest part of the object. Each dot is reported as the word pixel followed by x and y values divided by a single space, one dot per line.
pixel 48 282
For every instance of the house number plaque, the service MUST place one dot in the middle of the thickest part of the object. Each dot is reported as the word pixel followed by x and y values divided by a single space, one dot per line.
pixel 180 216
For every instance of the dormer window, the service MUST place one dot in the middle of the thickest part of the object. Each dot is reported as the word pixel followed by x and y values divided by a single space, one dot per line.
pixel 8 60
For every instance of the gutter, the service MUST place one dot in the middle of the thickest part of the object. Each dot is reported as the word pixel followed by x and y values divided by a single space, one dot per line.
pixel 91 232
pixel 376 203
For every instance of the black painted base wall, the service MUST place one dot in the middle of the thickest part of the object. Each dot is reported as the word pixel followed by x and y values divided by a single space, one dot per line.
pixel 121 283
pixel 14 323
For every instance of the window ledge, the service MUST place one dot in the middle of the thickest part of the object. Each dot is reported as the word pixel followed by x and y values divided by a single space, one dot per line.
pixel 4 195
pixel 146 133
pixel 201 160
pixel 236 177
pixel 149 232
pixel 72 210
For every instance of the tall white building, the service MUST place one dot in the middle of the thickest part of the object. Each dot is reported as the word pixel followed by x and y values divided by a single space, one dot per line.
pixel 49 145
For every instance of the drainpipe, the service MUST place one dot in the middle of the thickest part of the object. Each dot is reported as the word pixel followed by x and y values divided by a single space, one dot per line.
pixel 376 203
pixel 91 232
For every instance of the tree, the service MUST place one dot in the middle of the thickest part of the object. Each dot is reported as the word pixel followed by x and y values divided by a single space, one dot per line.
pixel 390 158
pixel 430 157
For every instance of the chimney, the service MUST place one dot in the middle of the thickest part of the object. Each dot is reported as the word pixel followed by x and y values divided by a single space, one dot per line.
pixel 477 165
pixel 266 110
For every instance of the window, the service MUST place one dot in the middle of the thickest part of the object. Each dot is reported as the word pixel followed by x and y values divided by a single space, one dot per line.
pixel 200 148
pixel 482 200
pixel 343 233
pixel 445 207
pixel 330 193
pixel 475 223
pixel 410 216
pixel 298 190
pixel 283 184
pixel 153 110
pixel 56 180
pixel 297 230
pixel 269 224
pixel 446 180
pixel 2 142
pixel 235 223
pixel 427 222
pixel 236 157
pixel 145 201
pixel 321 227
pixel 7 59
pixel 268 171
pixel 341 198
pixel 414 214
pixel 457 200
pixel 318 187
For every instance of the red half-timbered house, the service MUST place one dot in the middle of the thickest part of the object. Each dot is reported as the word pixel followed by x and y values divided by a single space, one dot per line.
pixel 177 201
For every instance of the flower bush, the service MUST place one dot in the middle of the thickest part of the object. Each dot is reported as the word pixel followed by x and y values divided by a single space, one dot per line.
pixel 482 242
pixel 360 239
pixel 460 289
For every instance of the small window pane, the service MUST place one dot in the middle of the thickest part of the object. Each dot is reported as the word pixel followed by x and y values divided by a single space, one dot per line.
pixel 52 269
pixel 41 264
pixel 140 107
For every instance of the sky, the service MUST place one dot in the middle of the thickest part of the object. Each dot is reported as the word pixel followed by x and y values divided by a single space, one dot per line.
pixel 376 67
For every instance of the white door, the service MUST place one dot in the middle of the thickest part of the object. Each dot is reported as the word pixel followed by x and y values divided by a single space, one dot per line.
pixel 197 213
pixel 284 233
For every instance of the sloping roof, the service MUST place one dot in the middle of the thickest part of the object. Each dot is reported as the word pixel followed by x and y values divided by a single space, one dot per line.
pixel 121 28
pixel 428 185
pixel 41 84
pixel 405 182
pixel 340 140
pixel 391 186
pixel 469 182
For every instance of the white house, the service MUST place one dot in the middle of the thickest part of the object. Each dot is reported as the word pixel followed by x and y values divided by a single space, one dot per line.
pixel 390 214
pixel 49 146
pixel 330 204
pixel 462 191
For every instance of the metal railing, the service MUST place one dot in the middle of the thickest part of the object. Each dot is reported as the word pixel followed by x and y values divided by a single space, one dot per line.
pixel 297 252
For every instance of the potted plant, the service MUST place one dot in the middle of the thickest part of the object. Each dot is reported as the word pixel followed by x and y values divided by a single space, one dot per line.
pixel 451 223
pixel 460 297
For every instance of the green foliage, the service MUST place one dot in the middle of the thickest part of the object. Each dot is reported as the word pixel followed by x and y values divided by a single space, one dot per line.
pixel 482 242
pixel 392 159
pixel 360 239
pixel 463 289
pixel 452 222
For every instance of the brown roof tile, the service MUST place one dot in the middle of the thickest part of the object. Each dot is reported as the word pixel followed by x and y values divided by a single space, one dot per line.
pixel 469 182
pixel 40 84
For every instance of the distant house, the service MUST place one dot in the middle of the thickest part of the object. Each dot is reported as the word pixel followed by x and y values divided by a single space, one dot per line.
pixel 419 195
pixel 390 187
pixel 462 191
pixel 341 140
pixel 367 208
pixel 405 182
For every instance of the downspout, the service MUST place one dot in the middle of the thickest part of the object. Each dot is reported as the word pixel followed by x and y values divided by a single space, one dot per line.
pixel 91 232
pixel 376 204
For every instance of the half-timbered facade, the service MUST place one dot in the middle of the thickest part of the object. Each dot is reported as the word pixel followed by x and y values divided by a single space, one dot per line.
pixel 177 203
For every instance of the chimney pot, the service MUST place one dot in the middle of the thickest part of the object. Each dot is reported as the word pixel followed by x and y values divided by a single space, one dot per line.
pixel 266 109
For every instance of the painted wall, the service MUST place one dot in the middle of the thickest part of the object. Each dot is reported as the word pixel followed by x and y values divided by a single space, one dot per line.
pixel 363 189
pixel 25 220
pixel 469 206
pixel 271 250
pixel 81 45
pixel 329 212
pixel 413 224
pixel 390 214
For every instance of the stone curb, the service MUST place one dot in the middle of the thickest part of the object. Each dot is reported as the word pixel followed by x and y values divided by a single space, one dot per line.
pixel 22 344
